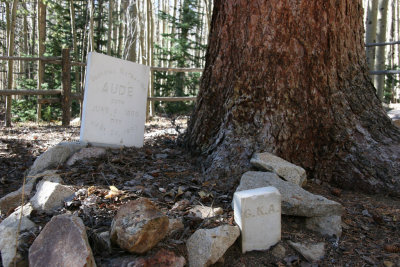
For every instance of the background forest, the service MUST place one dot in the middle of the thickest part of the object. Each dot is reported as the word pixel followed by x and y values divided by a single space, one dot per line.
pixel 163 33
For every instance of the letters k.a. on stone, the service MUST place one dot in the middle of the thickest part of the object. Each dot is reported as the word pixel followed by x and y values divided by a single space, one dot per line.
pixel 258 214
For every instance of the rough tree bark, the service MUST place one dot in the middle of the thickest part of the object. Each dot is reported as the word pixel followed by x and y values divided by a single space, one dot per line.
pixel 290 77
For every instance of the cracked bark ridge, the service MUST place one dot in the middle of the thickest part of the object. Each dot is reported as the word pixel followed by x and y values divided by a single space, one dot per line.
pixel 290 78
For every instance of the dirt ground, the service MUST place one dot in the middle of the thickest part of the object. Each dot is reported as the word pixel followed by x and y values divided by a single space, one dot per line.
pixel 167 174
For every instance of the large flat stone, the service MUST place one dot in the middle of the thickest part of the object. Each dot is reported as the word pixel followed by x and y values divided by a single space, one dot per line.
pixel 288 171
pixel 325 225
pixel 9 235
pixel 50 195
pixel 138 226
pixel 62 242
pixel 207 246
pixel 257 212
pixel 205 212
pixel 13 199
pixel 311 252
pixel 55 156
pixel 295 200
pixel 86 153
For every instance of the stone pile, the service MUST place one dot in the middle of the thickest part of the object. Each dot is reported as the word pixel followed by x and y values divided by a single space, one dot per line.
pixel 139 225
pixel 321 215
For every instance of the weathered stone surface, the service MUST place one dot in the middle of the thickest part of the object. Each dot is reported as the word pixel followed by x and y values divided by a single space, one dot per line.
pixel 9 233
pixel 62 242
pixel 325 225
pixel 204 212
pixel 138 226
pixel 397 123
pixel 311 252
pixel 257 212
pixel 295 200
pixel 85 153
pixel 55 156
pixel 288 171
pixel 50 195
pixel 207 246
pixel 13 199
pixel 175 225
pixel 163 258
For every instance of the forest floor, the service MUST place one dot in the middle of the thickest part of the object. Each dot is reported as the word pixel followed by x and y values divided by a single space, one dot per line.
pixel 166 173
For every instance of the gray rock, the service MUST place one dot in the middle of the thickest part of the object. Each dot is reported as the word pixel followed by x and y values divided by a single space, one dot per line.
pixel 325 225
pixel 138 226
pixel 13 199
pixel 9 234
pixel 279 251
pixel 204 212
pixel 62 242
pixel 55 156
pixel 50 196
pixel 288 171
pixel 295 200
pixel 311 252
pixel 85 153
pixel 207 246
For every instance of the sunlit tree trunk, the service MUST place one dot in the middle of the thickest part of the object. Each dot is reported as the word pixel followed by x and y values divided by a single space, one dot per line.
pixel 75 44
pixel 370 36
pixel 91 26
pixel 10 43
pixel 110 26
pixel 290 77
pixel 41 49
pixel 380 50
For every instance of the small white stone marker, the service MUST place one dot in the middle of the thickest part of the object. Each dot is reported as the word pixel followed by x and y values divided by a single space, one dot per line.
pixel 114 106
pixel 257 212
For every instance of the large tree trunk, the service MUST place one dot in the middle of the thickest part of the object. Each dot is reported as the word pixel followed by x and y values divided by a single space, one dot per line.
pixel 290 77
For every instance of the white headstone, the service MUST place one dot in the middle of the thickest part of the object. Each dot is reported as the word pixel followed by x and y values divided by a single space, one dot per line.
pixel 257 212
pixel 114 106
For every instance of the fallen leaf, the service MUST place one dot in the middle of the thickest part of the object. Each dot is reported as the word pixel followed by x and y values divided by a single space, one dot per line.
pixel 204 195
pixel 114 192
pixel 91 190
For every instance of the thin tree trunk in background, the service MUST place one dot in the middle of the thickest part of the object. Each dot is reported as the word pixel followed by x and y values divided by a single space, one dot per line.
pixel 41 49
pixel 150 47
pixel 75 45
pixel 142 40
pixel 370 36
pixel 380 50
pixel 114 44
pixel 120 28
pixel 91 26
pixel 99 35
pixel 33 39
pixel 392 47
pixel 304 95
pixel 10 43
pixel 110 26
pixel 131 21
pixel 25 64
pixel 173 30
